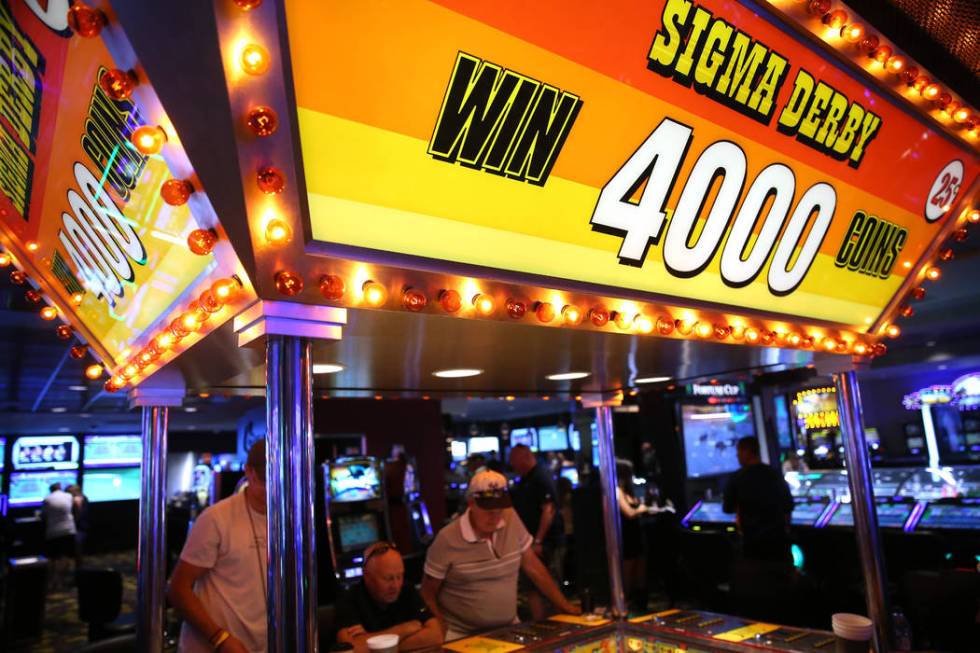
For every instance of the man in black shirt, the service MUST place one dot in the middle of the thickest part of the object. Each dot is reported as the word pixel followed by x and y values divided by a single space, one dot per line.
pixel 762 503
pixel 536 502
pixel 383 604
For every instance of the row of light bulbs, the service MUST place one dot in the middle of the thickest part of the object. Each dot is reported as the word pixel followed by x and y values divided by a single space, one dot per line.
pixel 857 38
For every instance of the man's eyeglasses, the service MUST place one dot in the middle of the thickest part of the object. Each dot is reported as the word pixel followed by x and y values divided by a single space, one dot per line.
pixel 377 549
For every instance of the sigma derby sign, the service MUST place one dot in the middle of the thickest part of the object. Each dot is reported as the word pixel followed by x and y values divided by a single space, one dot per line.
pixel 689 149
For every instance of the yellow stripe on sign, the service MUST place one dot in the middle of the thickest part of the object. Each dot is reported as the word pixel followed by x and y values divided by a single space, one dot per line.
pixel 391 230
pixel 746 632
pixel 648 617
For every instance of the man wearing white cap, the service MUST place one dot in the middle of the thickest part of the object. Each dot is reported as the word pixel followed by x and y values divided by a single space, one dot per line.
pixel 471 569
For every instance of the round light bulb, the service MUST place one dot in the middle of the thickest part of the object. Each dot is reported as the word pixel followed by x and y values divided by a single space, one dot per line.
pixel 703 329
pixel 254 59
pixel 643 324
pixel 148 139
pixel 202 241
pixel 332 287
pixel 572 315
pixel 893 331
pixel 450 300
pixel 374 293
pixel 278 232
pixel 49 313
pixel 93 371
pixel 483 304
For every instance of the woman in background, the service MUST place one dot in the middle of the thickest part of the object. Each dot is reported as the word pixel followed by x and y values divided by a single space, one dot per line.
pixel 79 510
pixel 634 557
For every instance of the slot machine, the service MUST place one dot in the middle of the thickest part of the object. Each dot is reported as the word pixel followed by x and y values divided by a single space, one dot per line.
pixel 356 512
pixel 418 512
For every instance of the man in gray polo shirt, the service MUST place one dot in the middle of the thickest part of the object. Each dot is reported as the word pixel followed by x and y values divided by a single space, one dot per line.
pixel 471 568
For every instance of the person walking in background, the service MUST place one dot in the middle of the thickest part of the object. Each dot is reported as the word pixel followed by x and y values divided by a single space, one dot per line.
pixel 536 502
pixel 59 533
pixel 762 503
pixel 634 549
pixel 79 510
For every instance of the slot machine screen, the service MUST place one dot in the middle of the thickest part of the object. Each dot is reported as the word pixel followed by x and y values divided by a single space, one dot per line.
pixel 30 488
pixel 457 448
pixel 525 437
pixel 45 452
pixel 954 516
pixel 3 452
pixel 552 438
pixel 484 444
pixel 357 532
pixel 121 484
pixel 710 435
pixel 113 450
pixel 915 444
pixel 784 426
pixel 806 513
pixel 710 512
pixel 354 480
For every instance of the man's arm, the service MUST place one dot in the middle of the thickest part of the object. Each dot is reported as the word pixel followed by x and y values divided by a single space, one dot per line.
pixel 429 636
pixel 538 573
pixel 180 593
pixel 358 637
pixel 430 591
pixel 547 517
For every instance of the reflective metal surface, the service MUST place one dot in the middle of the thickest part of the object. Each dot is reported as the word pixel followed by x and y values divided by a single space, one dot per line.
pixel 151 557
pixel 289 479
pixel 863 504
pixel 610 510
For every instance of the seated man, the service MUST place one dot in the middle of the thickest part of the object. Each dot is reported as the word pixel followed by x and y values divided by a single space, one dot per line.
pixel 472 566
pixel 383 604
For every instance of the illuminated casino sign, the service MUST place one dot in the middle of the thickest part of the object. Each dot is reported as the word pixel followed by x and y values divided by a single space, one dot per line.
pixel 72 182
pixel 715 390
pixel 693 150
pixel 816 408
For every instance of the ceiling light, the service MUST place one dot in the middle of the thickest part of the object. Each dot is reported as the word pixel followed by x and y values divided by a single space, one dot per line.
pixel 652 379
pixel 567 376
pixel 326 368
pixel 457 374
pixel 78 388
pixel 190 409
pixel 59 409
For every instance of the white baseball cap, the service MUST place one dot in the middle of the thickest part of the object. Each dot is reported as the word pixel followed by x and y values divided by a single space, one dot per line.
pixel 489 490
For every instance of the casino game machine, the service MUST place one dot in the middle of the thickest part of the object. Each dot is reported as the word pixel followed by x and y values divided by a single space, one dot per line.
pixel 356 512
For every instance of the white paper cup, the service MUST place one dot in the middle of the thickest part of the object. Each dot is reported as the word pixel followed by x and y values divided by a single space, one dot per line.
pixel 853 632
pixel 383 643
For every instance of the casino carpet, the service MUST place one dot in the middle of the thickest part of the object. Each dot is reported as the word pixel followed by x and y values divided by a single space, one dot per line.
pixel 63 631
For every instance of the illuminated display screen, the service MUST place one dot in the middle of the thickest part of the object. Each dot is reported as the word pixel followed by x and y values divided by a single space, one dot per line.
pixel 121 484
pixel 953 516
pixel 3 453
pixel 552 438
pixel 525 437
pixel 357 531
pixel 806 513
pixel 45 452
pixel 571 473
pixel 710 435
pixel 890 515
pixel 457 449
pixel 112 450
pixel 30 488
pixel 484 444
pixel 354 480
pixel 711 512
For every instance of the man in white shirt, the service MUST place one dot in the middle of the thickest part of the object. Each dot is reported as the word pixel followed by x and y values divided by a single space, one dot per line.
pixel 59 532
pixel 220 583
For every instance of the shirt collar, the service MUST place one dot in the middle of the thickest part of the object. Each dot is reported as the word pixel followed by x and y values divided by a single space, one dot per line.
pixel 466 528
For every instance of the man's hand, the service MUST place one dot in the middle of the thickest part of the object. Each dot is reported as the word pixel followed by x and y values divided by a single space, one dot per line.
pixel 232 645
pixel 569 608
pixel 356 631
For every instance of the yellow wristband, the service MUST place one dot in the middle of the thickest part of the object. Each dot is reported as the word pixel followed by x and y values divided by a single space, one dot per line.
pixel 220 639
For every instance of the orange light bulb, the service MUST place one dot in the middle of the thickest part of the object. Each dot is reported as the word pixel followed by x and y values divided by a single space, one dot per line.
pixel 33 296
pixel 224 290
pixel 836 19
pixel 118 84
pixel 263 121
pixel 63 331
pixel 515 308
pixel 332 287
pixel 721 331
pixel 93 371
pixel 751 335
pixel 49 313
pixel 684 327
pixel 545 312
pixel 973 216
pixel 794 339
pixel 643 323
pixel 278 232
pixel 665 325
pixel 893 331
pixel 78 352
pixel 829 344
pixel 270 180
pixel 130 371
pixel 117 381
pixel 414 300
pixel 931 91
pixel 18 278
pixel 703 329
pixel 288 283
pixel 31 246
pixel 933 273
pixel 860 348
pixel 190 321
pixel 176 192
pixel 374 293
pixel 881 54
pixel 164 341
pixel 254 59
pixel 572 315
pixel 247 5
pixel 148 139
pixel 961 115
pixel 852 33
pixel 77 298
pixel 202 241
pixel 483 304
pixel 85 21
pixel 450 300
pixel 5 259
pixel 896 64
pixel 599 316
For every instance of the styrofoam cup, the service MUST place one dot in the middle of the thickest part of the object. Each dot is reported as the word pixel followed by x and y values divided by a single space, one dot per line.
pixel 383 643
pixel 853 632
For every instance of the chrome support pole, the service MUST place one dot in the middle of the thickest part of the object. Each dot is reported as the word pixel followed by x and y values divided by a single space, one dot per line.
pixel 863 502
pixel 610 510
pixel 151 556
pixel 289 478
